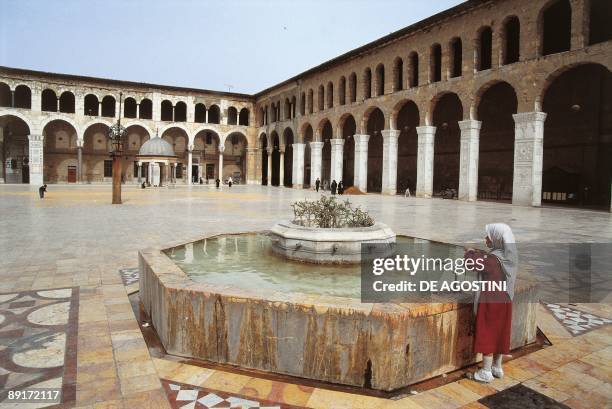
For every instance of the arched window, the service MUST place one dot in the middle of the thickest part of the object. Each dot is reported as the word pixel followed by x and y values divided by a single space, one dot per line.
pixel 5 95
pixel 199 113
pixel 287 109
pixel 485 48
pixel 353 87
pixel 48 101
pixel 436 63
pixel 457 57
pixel 303 103
pixel 23 97
pixel 262 117
pixel 91 105
pixel 556 26
pixel 232 116
pixel 380 80
pixel 342 91
pixel 129 108
pixel 600 29
pixel 293 106
pixel 243 117
pixel 108 106
pixel 214 115
pixel 511 40
pixel 167 111
pixel 398 74
pixel 330 94
pixel 66 102
pixel 180 112
pixel 414 69
pixel 310 101
pixel 146 109
pixel 367 84
pixel 321 98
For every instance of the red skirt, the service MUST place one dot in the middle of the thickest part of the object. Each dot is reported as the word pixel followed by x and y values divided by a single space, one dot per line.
pixel 493 323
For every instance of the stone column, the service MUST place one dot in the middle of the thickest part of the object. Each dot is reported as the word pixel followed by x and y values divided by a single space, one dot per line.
pixel 100 108
pixel 138 110
pixel 150 173
pixel 221 149
pixel 269 173
pixel 337 154
pixel 316 159
pixel 36 159
pixel 12 98
pixel 79 160
pixel 528 158
pixel 361 161
pixel 389 176
pixel 139 172
pixel 425 160
pixel 281 166
pixel 189 163
pixel 468 165
pixel 298 165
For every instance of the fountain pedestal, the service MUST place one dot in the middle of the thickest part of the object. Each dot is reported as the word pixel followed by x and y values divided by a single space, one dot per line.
pixel 326 245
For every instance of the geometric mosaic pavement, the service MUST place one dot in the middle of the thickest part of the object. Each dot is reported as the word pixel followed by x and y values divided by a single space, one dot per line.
pixel 575 321
pixel 182 396
pixel 129 276
pixel 38 342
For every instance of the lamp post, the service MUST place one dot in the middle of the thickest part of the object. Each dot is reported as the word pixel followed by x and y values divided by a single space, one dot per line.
pixel 116 133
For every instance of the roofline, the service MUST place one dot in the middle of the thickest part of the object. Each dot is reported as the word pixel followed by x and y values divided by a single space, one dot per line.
pixel 462 7
pixel 107 81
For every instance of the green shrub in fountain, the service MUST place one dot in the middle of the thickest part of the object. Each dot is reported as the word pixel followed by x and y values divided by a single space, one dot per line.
pixel 329 213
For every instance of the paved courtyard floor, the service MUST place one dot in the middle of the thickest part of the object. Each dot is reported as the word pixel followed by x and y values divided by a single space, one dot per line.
pixel 68 264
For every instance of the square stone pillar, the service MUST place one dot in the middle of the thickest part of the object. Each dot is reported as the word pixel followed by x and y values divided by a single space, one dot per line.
pixel 337 155
pixel 316 159
pixel 221 149
pixel 361 162
pixel 189 164
pixel 269 173
pixel 528 158
pixel 389 175
pixel 251 176
pixel 425 160
pixel 298 165
pixel 36 158
pixel 468 165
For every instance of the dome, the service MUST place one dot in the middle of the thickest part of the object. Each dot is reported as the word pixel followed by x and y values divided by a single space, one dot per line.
pixel 156 147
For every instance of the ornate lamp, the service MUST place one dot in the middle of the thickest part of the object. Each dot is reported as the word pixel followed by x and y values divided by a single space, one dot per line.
pixel 116 133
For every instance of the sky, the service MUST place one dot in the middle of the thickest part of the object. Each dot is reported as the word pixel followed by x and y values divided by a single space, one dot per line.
pixel 232 45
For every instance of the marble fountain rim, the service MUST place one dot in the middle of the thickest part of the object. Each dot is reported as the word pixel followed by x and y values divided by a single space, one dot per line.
pixel 171 276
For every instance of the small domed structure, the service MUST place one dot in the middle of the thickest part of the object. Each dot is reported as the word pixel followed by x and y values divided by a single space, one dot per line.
pixel 156 147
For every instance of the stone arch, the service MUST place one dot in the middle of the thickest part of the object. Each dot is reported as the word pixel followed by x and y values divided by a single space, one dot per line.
pixel 366 115
pixel 496 104
pixel 67 102
pixel 307 136
pixel 398 74
pixel 434 101
pixel 180 126
pixel 180 112
pixel 48 100
pixel 214 114
pixel 347 128
pixel 23 96
pixel 88 124
pixel 15 153
pixel 319 129
pixel 129 108
pixel 473 113
pixel 380 80
pixel 132 143
pixel 235 145
pixel 375 124
pixel 65 118
pixel 447 111
pixel 243 117
pixel 406 120
pixel 91 105
pixel 127 124
pixel 262 143
pixel 146 109
pixel 288 140
pixel 484 46
pixel 25 119
pixel 108 106
pixel 96 146
pixel 274 147
pixel 511 40
pixel 302 133
pixel 5 95
pixel 576 148
pixel 232 116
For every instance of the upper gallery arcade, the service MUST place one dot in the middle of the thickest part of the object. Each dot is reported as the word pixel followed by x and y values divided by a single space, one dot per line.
pixel 507 100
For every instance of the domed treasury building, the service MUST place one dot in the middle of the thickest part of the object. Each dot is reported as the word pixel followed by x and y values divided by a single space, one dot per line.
pixel 505 100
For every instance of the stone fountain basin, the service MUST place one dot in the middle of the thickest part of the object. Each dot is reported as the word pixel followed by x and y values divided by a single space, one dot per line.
pixel 325 338
pixel 326 245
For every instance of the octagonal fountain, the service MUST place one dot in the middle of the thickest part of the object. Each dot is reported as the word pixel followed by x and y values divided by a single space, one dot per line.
pixel 251 300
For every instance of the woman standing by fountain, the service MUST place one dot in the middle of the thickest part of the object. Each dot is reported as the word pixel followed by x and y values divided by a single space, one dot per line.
pixel 494 308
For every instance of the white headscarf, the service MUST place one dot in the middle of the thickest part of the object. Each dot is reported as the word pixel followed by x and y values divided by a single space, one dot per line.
pixel 504 248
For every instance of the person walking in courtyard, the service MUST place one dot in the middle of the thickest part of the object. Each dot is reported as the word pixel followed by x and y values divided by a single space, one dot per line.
pixel 340 188
pixel 230 181
pixel 317 184
pixel 494 308
pixel 334 185
pixel 217 182
pixel 42 190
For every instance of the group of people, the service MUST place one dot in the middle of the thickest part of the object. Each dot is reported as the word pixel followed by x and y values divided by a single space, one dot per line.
pixel 334 187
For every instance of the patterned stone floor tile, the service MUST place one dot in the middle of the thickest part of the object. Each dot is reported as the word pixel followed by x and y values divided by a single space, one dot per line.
pixel 182 395
pixel 574 320
pixel 38 340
